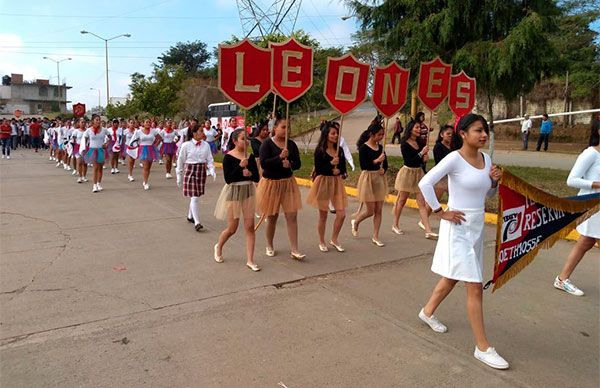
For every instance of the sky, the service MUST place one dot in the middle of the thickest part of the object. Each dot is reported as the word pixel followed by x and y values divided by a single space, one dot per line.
pixel 31 30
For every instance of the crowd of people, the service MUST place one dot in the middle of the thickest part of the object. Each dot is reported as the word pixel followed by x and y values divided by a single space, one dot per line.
pixel 258 168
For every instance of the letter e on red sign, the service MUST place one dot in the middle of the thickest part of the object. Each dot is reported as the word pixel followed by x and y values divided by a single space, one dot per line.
pixel 292 69
pixel 434 81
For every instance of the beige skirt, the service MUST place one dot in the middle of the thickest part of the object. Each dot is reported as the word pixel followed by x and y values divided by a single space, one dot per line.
pixel 372 186
pixel 327 189
pixel 273 194
pixel 408 179
pixel 237 200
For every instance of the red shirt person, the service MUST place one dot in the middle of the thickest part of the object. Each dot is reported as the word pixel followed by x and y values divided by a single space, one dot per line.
pixel 5 131
pixel 35 130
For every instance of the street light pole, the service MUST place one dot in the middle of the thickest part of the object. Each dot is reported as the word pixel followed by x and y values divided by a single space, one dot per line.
pixel 98 90
pixel 106 57
pixel 58 75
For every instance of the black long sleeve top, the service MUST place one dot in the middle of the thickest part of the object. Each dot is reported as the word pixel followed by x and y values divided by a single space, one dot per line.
pixel 255 144
pixel 323 164
pixel 271 163
pixel 440 151
pixel 232 171
pixel 411 155
pixel 366 156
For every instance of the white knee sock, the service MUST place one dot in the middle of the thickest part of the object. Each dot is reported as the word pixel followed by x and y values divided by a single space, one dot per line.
pixel 194 211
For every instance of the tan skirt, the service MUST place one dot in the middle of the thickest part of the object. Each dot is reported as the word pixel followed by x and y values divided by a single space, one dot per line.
pixel 371 187
pixel 237 200
pixel 442 185
pixel 327 189
pixel 273 194
pixel 408 179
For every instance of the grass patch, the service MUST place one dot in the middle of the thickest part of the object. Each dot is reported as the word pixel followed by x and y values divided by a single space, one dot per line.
pixel 550 180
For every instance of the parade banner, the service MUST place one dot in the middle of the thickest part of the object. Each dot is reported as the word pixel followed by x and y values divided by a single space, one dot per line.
pixel 461 96
pixel 244 73
pixel 292 69
pixel 346 83
pixel 530 219
pixel 78 109
pixel 434 82
pixel 390 88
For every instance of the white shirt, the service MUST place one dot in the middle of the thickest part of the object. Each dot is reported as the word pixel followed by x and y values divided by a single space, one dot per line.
pixel 96 139
pixel 191 153
pixel 115 133
pixel 347 153
pixel 210 134
pixel 225 137
pixel 526 125
pixel 467 186
pixel 585 171
pixel 169 137
pixel 146 139
pixel 78 135
pixel 62 134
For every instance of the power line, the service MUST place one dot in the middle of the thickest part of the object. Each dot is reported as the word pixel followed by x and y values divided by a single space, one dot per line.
pixel 138 17
pixel 74 55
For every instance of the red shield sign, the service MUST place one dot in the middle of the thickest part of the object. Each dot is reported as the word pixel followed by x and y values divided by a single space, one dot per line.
pixel 79 110
pixel 434 81
pixel 346 83
pixel 390 88
pixel 244 73
pixel 462 94
pixel 292 69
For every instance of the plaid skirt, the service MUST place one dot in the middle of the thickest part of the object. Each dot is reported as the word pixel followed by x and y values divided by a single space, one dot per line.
pixel 194 180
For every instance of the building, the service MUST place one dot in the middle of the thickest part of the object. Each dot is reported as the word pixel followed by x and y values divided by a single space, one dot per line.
pixel 32 97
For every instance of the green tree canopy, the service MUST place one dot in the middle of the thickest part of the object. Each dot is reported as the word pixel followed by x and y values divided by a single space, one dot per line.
pixel 192 57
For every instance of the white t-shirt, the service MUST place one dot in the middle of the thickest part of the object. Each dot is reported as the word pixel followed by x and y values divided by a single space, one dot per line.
pixel 146 139
pixel 225 137
pixel 210 134
pixel 467 186
pixel 526 125
pixel 168 137
pixel 78 135
pixel 96 139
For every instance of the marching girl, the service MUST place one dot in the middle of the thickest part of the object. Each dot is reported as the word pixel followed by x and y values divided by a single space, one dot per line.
pixel 81 166
pixel 95 152
pixel 194 161
pixel 52 143
pixel 210 134
pixel 585 175
pixel 169 147
pixel 148 138
pixel 113 154
pixel 328 185
pixel 128 136
pixel 459 251
pixel 237 199
pixel 278 188
pixel 372 185
pixel 440 151
pixel 407 179
pixel 261 133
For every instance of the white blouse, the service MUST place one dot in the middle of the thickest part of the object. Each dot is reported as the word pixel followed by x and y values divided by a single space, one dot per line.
pixel 585 171
pixel 168 137
pixel 97 140
pixel 194 152
pixel 467 186
pixel 145 139
pixel 78 135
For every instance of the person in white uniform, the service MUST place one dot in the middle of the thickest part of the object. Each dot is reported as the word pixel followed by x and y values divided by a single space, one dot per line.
pixel 148 138
pixel 585 175
pixel 95 151
pixel 459 252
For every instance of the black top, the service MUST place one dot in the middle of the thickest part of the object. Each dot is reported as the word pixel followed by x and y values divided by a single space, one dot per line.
pixel 233 172
pixel 411 155
pixel 272 165
pixel 255 144
pixel 323 164
pixel 366 155
pixel 440 151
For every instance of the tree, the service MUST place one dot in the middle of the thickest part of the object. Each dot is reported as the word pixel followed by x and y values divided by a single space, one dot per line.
pixel 504 44
pixel 192 57
pixel 157 94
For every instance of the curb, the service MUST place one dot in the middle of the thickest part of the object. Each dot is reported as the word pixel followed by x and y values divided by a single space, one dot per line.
pixel 490 218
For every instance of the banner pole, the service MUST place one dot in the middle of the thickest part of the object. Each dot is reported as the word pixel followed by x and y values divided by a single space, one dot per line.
pixel 274 106
pixel 385 133
pixel 337 143
pixel 287 120
pixel 246 134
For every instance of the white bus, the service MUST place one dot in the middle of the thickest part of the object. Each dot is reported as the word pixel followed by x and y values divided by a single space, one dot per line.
pixel 222 112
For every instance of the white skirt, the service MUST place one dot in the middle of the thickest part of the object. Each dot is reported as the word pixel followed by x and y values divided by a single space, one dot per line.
pixel 590 227
pixel 459 250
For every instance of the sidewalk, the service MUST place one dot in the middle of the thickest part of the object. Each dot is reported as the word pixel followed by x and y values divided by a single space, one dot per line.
pixel 117 289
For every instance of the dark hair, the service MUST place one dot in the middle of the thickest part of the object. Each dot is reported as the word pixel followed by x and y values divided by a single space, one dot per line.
pixel 191 130
pixel 234 135
pixel 259 128
pixel 442 130
pixel 545 115
pixel 595 133
pixel 463 125
pixel 115 121
pixel 370 131
pixel 408 131
pixel 93 116
pixel 325 128
pixel 418 116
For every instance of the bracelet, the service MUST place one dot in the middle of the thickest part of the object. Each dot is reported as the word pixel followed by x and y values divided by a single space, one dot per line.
pixel 438 210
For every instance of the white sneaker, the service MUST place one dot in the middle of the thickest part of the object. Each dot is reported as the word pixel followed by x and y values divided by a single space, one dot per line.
pixel 146 186
pixel 353 226
pixel 168 176
pixel 104 167
pixel 433 322
pixel 491 358
pixel 269 251
pixel 3 156
pixel 112 170
pixel 79 180
pixel 50 158
pixel 567 286
pixel 85 179
pixel 160 162
pixel 74 172
pixel 95 189
pixel 122 162
pixel 142 165
pixel 130 178
pixel 99 187
pixel 7 156
pixel 58 164
pixel 420 224
pixel 117 170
